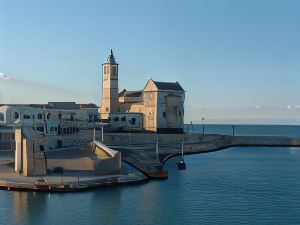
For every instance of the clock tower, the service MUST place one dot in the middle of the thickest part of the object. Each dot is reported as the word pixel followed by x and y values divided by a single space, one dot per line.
pixel 110 99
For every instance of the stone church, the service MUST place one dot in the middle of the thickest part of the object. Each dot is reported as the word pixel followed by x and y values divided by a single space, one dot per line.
pixel 158 107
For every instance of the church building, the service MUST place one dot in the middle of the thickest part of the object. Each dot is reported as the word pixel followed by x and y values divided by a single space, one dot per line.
pixel 158 107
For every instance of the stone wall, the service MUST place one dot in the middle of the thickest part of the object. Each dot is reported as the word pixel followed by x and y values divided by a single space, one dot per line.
pixel 34 164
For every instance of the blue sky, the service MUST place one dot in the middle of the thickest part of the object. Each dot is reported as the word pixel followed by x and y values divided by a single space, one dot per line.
pixel 237 60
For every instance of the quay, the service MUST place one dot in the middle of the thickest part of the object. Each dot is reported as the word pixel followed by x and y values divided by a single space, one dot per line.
pixel 143 156
pixel 138 150
pixel 68 182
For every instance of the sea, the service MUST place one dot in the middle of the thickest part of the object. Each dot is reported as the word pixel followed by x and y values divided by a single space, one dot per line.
pixel 249 185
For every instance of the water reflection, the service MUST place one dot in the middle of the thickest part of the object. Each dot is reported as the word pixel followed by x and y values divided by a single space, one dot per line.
pixel 28 206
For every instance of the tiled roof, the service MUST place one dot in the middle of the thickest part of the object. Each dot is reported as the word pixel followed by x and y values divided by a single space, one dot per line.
pixel 63 105
pixel 169 86
pixel 132 94
pixel 88 106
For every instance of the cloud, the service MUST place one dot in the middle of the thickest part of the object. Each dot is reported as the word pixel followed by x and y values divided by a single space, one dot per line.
pixel 5 77
pixel 293 107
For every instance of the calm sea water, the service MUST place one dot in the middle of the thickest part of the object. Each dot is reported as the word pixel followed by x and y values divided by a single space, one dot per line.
pixel 233 186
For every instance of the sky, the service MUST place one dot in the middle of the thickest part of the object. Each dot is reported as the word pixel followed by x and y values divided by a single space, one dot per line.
pixel 237 60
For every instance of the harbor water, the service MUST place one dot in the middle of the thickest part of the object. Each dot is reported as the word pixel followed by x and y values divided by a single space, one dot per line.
pixel 250 185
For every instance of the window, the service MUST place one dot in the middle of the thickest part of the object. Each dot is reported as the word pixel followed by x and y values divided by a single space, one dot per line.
pixel 42 148
pixel 26 116
pixel 64 131
pixel 77 130
pixel 107 109
pixel 17 115
pixel 116 119
pixel 59 144
pixel 55 128
pixel 59 116
pixel 40 128
pixel 48 116
pixel 114 71
pixel 164 114
pixel 1 116
pixel 90 118
pixel 72 117
pixel 123 118
pixel 40 116
pixel 52 129
pixel 179 113
pixel 133 120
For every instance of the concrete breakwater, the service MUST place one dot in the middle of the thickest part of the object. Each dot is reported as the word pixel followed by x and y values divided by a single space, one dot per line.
pixel 139 150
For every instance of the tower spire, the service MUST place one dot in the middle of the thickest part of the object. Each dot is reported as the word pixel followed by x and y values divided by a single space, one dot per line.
pixel 111 58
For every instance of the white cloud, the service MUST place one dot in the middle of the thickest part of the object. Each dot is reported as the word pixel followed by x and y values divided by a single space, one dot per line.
pixel 293 107
pixel 4 76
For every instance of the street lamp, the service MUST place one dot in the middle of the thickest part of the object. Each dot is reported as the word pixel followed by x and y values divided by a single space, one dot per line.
pixel 203 125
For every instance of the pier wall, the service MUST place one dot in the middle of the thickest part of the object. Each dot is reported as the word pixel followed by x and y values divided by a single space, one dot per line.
pixel 86 136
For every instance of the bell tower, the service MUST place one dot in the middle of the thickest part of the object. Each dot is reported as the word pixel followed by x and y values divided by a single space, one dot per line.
pixel 110 99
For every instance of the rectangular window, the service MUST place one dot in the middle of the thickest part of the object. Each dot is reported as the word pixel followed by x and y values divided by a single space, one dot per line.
pixel 114 71
pixel 26 117
pixel 133 120
pixel 180 113
pixel 164 114
pixel 1 116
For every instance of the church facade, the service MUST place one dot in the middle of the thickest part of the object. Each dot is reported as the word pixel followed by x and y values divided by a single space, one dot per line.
pixel 158 107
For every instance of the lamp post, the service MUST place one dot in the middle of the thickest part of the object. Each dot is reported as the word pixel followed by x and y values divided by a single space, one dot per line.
pixel 233 130
pixel 203 125
pixel 94 139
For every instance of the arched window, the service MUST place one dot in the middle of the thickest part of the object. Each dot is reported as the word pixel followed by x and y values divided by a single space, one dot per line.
pixel 59 116
pixel 17 115
pixel 48 116
pixel 40 116
pixel 123 118
pixel 116 119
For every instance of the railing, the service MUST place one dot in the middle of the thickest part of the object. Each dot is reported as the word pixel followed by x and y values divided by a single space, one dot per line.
pixel 7 145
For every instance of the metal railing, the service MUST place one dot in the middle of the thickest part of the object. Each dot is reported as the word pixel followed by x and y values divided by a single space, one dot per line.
pixel 8 145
